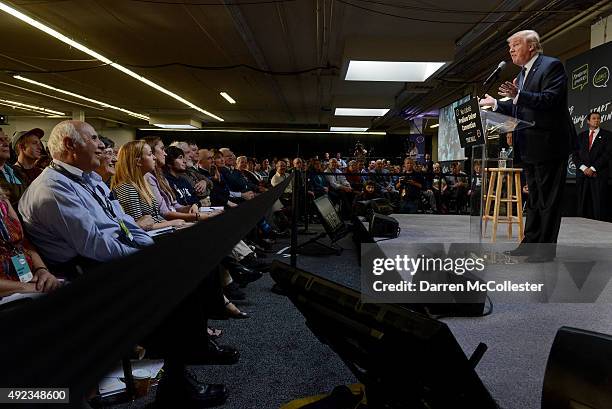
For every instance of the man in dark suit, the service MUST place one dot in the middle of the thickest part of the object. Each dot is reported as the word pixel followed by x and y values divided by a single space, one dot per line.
pixel 592 161
pixel 538 95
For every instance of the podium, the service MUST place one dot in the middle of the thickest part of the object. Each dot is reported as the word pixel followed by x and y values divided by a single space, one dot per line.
pixel 487 168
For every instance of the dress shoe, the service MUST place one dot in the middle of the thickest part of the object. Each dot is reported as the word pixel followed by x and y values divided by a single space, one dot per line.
pixel 233 292
pixel 243 275
pixel 231 311
pixel 251 262
pixel 184 391
pixel 220 354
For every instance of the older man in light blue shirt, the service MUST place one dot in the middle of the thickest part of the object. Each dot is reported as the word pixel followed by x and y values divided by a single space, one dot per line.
pixel 67 211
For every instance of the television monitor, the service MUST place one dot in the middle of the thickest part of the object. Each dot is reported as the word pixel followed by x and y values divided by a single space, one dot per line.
pixel 404 359
pixel 449 146
pixel 331 220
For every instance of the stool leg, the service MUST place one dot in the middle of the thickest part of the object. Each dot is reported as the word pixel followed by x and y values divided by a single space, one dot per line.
pixel 498 202
pixel 509 202
pixel 519 204
pixel 487 211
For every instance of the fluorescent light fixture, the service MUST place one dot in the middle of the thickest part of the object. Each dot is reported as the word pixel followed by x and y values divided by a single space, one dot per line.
pixel 435 126
pixel 46 29
pixel 265 131
pixel 72 94
pixel 347 129
pixel 505 99
pixel 176 126
pixel 227 97
pixel 399 71
pixel 361 111
pixel 51 96
pixel 33 107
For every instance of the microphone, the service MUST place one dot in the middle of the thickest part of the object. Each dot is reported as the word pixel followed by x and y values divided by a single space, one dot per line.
pixel 495 73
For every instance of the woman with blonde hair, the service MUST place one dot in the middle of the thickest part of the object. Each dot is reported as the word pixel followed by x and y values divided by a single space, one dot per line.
pixel 134 161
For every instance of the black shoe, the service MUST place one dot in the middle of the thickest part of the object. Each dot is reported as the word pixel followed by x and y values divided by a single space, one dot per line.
pixel 251 262
pixel 214 354
pixel 233 292
pixel 276 289
pixel 243 275
pixel 186 392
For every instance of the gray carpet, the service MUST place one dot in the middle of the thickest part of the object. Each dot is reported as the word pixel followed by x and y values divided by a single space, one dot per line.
pixel 281 359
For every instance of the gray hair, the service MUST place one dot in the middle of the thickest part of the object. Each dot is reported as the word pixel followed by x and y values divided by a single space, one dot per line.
pixel 184 146
pixel 62 130
pixel 531 37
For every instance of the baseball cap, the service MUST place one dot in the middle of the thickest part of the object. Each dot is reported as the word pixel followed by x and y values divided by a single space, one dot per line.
pixel 22 134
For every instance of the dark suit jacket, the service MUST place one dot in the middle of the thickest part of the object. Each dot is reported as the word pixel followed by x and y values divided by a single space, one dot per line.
pixel 598 156
pixel 542 100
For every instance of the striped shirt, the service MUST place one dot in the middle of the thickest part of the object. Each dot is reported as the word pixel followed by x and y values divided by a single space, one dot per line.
pixel 135 205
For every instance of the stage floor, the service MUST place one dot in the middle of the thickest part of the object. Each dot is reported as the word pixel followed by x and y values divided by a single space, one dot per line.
pixel 519 334
pixel 429 228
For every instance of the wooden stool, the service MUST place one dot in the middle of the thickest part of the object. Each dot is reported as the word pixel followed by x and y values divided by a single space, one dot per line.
pixel 510 198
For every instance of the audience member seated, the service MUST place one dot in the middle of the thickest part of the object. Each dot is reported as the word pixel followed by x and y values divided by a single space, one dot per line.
pixel 9 181
pixel 278 178
pixel 355 178
pixel 201 184
pixel 169 208
pixel 317 183
pixel 135 160
pixel 410 186
pixel 369 192
pixel 340 190
pixel 174 170
pixel 248 179
pixel 28 147
pixel 14 247
pixel 69 216
pixel 108 160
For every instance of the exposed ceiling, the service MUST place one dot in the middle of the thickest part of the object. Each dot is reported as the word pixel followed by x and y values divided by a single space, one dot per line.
pixel 296 51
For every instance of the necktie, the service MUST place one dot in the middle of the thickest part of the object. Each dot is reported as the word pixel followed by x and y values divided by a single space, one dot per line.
pixel 591 135
pixel 521 79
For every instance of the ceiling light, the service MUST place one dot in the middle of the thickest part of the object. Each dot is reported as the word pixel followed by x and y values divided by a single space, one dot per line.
pixel 347 129
pixel 435 126
pixel 505 99
pixel 33 107
pixel 361 111
pixel 227 97
pixel 72 94
pixel 176 126
pixel 30 110
pixel 34 23
pixel 263 131
pixel 399 71
pixel 51 96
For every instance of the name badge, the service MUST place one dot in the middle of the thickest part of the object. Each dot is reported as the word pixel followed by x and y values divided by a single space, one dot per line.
pixel 22 268
pixel 125 230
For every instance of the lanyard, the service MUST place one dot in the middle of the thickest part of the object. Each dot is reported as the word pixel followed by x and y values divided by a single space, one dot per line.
pixel 105 204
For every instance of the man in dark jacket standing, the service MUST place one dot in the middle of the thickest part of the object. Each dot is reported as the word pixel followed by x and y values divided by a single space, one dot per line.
pixel 539 95
pixel 592 161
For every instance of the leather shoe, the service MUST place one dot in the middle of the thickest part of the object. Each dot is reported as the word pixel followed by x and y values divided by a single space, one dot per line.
pixel 243 275
pixel 252 263
pixel 184 391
